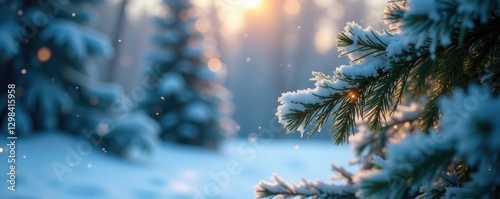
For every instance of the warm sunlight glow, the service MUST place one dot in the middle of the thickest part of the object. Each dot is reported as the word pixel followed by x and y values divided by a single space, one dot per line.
pixel 324 38
pixel 249 4
pixel 292 7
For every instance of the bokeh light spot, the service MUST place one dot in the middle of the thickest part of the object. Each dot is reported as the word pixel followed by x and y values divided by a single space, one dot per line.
pixel 94 100
pixel 324 37
pixel 126 61
pixel 203 25
pixel 44 54
pixel 215 65
pixel 353 94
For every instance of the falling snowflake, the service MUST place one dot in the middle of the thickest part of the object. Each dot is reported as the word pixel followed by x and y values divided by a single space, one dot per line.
pixel 23 71
pixel 102 128
pixel 296 147
pixel 249 59
pixel 73 14
pixel 162 98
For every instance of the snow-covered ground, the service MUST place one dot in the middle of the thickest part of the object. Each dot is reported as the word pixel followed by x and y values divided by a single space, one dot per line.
pixel 56 165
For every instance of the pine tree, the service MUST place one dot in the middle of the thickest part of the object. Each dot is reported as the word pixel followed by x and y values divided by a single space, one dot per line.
pixel 46 53
pixel 419 102
pixel 182 93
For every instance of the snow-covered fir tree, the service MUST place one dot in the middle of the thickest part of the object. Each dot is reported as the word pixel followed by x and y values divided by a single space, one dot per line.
pixel 46 52
pixel 419 103
pixel 183 92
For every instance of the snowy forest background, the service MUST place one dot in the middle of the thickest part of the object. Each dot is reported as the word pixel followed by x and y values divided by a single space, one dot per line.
pixel 177 99
pixel 265 50
pixel 257 53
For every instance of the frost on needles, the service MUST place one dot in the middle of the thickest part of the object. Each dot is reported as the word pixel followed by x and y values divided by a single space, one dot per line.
pixel 371 54
pixel 421 98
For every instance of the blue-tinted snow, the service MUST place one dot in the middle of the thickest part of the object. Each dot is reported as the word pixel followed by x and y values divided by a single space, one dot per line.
pixel 173 172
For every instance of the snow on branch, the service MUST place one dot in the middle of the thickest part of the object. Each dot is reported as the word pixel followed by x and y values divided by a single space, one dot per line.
pixel 80 42
pixel 304 189
pixel 433 48
pixel 422 21
pixel 468 137
pixel 343 95
pixel 403 166
pixel 366 144
pixel 8 38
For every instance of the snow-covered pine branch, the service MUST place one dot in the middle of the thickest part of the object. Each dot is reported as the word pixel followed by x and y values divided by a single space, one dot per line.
pixel 383 67
pixel 303 190
pixel 367 144
pixel 469 135
pixel 434 49
pixel 435 23
pixel 348 94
